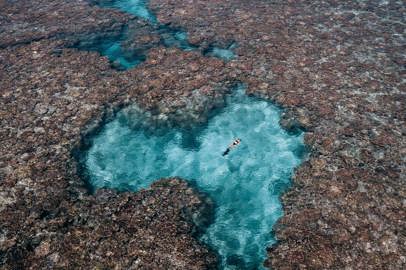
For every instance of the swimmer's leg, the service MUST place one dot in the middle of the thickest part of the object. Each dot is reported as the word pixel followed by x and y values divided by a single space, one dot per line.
pixel 226 152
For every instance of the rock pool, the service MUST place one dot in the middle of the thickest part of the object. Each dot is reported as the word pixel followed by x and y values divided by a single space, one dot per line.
pixel 245 185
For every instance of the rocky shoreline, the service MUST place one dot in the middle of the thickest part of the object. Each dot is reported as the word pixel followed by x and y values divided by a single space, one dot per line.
pixel 337 67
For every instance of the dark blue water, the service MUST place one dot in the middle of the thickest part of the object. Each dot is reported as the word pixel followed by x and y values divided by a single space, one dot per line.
pixel 245 185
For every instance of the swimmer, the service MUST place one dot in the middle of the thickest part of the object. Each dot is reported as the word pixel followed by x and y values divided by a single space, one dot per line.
pixel 231 146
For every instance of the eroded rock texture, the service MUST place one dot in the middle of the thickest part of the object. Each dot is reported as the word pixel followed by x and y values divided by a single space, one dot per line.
pixel 27 21
pixel 337 66
pixel 51 97
pixel 47 220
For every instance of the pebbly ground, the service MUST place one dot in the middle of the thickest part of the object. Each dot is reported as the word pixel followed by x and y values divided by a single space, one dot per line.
pixel 338 67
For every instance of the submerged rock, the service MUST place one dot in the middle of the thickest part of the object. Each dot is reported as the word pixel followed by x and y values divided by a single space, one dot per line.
pixel 26 21
pixel 56 222
pixel 337 66
pixel 179 87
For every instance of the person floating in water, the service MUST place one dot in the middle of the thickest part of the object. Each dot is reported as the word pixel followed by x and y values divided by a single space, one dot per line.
pixel 231 146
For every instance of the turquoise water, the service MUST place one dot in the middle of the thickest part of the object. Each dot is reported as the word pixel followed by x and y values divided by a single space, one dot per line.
pixel 226 54
pixel 112 49
pixel 137 8
pixel 170 37
pixel 245 185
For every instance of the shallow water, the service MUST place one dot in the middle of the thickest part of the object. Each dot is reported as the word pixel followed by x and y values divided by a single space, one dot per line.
pixel 226 54
pixel 245 185
pixel 112 49
pixel 137 8
pixel 170 37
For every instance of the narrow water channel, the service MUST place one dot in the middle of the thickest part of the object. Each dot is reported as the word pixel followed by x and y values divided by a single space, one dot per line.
pixel 124 58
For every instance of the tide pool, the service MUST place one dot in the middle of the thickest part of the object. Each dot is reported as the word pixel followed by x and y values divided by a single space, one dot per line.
pixel 245 185
pixel 122 58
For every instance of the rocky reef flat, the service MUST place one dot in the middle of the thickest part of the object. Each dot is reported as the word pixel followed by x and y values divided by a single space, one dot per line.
pixel 337 67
